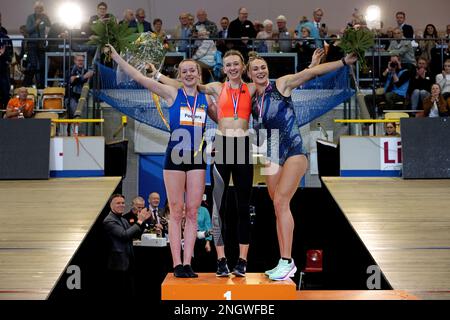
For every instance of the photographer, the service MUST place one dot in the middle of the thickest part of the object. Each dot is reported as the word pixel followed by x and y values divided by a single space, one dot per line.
pixel 77 77
pixel 395 88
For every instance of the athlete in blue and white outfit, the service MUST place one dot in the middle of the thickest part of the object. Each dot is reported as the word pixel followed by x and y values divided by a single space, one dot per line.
pixel 273 110
pixel 184 168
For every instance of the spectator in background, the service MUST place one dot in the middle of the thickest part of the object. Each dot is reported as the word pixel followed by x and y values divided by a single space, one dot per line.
pixel 267 33
pixel 408 31
pixel 155 222
pixel 447 32
pixel 420 85
pixel 242 28
pixel 2 29
pixel 20 107
pixel 334 52
pixel 183 31
pixel 313 31
pixel 158 30
pixel 204 23
pixel 305 48
pixel 141 24
pixel 5 61
pixel 317 21
pixel 128 18
pixel 439 54
pixel 191 20
pixel 78 76
pixel 204 226
pixel 435 105
pixel 205 53
pixel 121 264
pixel 426 45
pixel 402 47
pixel 102 14
pixel 395 88
pixel 36 24
pixel 443 80
pixel 258 26
pixel 283 35
pixel 137 205
pixel 221 44
pixel 391 129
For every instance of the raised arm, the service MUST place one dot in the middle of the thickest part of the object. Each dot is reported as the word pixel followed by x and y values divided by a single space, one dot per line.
pixel 166 92
pixel 289 82
pixel 158 76
pixel 213 89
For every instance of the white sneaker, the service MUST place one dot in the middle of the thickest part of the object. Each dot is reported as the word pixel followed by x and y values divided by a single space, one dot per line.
pixel 269 272
pixel 284 270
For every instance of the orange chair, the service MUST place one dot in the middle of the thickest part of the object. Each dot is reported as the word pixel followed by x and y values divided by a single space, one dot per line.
pixel 53 98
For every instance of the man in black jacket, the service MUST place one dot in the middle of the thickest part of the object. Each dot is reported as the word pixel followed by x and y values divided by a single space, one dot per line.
pixel 121 256
pixel 408 31
pixel 244 29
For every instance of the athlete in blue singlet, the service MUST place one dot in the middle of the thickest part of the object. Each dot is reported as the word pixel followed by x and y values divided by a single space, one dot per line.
pixel 184 169
pixel 273 110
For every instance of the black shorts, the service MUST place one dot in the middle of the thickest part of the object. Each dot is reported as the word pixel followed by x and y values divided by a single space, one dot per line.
pixel 184 160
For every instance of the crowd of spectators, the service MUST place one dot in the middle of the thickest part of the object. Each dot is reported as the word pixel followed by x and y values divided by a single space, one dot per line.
pixel 420 53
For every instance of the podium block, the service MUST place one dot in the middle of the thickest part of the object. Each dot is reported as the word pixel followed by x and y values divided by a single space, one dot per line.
pixel 255 286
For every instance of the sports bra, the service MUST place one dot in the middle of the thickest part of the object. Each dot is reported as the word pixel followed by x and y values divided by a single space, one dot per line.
pixel 229 96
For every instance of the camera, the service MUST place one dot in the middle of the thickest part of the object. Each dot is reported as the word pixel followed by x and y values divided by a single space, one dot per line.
pixel 393 65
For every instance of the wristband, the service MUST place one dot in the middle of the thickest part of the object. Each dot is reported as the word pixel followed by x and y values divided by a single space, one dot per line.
pixel 343 61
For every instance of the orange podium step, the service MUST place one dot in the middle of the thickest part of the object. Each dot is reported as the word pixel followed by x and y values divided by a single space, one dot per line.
pixel 255 286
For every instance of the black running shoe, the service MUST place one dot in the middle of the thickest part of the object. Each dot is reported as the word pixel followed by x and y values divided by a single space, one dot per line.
pixel 240 268
pixel 222 268
pixel 189 272
pixel 179 272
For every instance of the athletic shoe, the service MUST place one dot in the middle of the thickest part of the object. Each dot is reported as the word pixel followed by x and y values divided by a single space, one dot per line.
pixel 222 268
pixel 269 272
pixel 179 272
pixel 189 272
pixel 239 269
pixel 284 271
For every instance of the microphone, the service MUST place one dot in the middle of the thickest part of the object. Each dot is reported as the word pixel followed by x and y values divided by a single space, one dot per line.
pixel 324 132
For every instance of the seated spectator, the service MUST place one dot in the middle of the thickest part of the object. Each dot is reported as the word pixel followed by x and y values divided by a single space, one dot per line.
pixel 137 205
pixel 20 107
pixel 443 80
pixel 391 129
pixel 395 88
pixel 435 105
pixel 205 53
pixel 439 54
pixel 267 33
pixel 403 48
pixel 77 77
pixel 420 84
pixel 426 45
